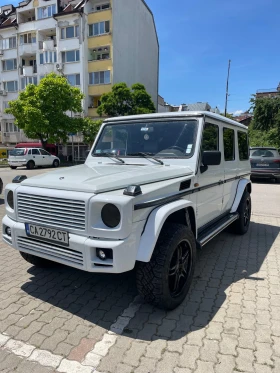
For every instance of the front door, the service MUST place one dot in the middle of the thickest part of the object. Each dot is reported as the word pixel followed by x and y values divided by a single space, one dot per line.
pixel 46 157
pixel 210 195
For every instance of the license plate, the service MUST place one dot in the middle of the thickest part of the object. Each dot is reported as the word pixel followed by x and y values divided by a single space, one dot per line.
pixel 47 234
pixel 262 165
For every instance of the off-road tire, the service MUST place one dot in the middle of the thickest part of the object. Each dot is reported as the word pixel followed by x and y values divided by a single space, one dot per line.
pixel 239 226
pixel 152 278
pixel 37 261
pixel 13 167
pixel 55 163
pixel 30 165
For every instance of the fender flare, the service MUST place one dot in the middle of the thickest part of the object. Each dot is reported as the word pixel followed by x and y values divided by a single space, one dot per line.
pixel 154 225
pixel 242 185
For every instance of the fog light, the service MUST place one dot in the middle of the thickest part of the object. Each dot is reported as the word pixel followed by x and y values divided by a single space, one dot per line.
pixel 101 254
pixel 8 231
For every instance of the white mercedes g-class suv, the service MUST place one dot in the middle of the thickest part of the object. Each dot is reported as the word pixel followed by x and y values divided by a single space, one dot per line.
pixel 153 190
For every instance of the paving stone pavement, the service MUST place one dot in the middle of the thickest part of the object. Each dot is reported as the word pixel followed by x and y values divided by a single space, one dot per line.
pixel 229 322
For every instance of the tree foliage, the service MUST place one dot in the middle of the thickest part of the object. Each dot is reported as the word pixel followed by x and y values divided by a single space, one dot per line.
pixel 41 110
pixel 90 130
pixel 123 101
pixel 265 127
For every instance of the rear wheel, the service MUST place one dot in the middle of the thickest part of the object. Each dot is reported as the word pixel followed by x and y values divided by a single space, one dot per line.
pixel 166 279
pixel 55 163
pixel 37 261
pixel 30 165
pixel 13 167
pixel 241 225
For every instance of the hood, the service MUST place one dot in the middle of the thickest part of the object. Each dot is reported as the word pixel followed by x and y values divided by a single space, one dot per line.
pixel 101 178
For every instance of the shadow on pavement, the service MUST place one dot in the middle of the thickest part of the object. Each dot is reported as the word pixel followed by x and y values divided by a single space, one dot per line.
pixel 100 299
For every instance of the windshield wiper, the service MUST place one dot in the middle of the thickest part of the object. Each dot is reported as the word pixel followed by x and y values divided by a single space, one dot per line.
pixel 147 155
pixel 109 155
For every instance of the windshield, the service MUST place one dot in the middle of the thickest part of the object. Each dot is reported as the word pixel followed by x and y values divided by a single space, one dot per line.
pixel 17 152
pixel 264 152
pixel 168 139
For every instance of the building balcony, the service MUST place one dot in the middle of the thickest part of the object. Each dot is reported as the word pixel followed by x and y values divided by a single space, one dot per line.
pixel 28 70
pixel 99 41
pixel 98 90
pixel 28 49
pixel 47 45
pixel 99 16
pixel 92 112
pixel 100 65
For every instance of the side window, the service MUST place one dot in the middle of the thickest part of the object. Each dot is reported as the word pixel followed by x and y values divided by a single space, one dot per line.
pixel 210 139
pixel 243 146
pixel 229 145
pixel 35 152
pixel 29 151
pixel 44 152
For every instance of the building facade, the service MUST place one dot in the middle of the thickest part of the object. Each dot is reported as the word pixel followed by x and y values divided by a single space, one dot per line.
pixel 94 43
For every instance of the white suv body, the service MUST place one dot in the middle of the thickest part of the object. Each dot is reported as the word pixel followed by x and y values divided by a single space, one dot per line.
pixel 31 157
pixel 153 189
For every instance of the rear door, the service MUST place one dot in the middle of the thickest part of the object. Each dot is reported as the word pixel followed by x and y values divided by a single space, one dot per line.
pixel 37 157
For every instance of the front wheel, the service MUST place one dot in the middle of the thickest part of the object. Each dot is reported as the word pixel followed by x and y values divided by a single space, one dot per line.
pixel 241 225
pixel 55 163
pixel 166 279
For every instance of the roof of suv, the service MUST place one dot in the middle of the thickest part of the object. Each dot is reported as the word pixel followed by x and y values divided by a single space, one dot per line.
pixel 178 114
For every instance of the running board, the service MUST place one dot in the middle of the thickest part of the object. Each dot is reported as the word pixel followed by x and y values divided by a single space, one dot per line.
pixel 216 228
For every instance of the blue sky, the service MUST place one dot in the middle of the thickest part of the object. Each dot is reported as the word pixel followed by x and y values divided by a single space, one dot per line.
pixel 198 37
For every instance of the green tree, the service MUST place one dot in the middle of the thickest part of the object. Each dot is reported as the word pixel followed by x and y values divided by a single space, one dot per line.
pixel 265 127
pixel 41 110
pixel 123 101
pixel 90 130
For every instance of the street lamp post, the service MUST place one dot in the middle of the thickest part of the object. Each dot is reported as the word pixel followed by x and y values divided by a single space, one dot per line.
pixel 227 88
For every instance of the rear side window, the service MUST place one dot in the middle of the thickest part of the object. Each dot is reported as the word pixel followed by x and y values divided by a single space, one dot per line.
pixel 210 137
pixel 243 146
pixel 35 152
pixel 29 151
pixel 229 145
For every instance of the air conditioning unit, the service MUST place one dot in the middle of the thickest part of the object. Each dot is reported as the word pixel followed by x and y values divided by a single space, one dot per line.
pixel 6 134
pixel 3 93
pixel 1 52
pixel 59 66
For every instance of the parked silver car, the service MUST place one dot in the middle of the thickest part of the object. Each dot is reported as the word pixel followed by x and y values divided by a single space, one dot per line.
pixel 265 163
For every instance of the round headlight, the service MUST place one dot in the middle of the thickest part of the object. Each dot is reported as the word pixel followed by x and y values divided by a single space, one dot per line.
pixel 110 215
pixel 10 199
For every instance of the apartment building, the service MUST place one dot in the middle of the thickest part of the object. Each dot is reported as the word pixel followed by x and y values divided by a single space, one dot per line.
pixel 94 43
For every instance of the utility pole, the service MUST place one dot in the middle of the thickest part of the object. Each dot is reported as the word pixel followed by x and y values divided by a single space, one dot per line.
pixel 229 61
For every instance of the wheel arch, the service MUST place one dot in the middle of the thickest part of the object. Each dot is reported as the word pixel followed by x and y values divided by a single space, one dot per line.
pixel 244 184
pixel 180 212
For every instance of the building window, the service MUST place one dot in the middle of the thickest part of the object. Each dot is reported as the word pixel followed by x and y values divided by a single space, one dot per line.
pixel 73 79
pixel 29 38
pixel 100 77
pixel 48 57
pixel 243 146
pixel 28 80
pixel 46 11
pixel 229 144
pixel 70 32
pixel 6 105
pixel 8 43
pixel 99 28
pixel 100 54
pixel 11 127
pixel 71 56
pixel 9 64
pixel 102 7
pixel 11 86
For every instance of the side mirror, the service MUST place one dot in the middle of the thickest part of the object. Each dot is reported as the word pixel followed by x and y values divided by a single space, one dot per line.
pixel 210 158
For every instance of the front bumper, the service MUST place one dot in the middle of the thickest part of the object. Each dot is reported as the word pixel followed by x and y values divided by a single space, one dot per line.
pixel 265 173
pixel 81 252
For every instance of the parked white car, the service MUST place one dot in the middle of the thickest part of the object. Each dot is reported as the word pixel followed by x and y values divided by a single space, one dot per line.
pixel 31 157
pixel 154 189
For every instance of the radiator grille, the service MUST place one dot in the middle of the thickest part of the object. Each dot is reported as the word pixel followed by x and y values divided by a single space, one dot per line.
pixel 51 250
pixel 55 212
